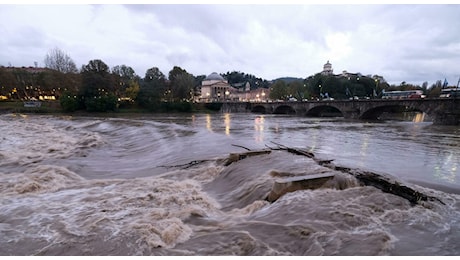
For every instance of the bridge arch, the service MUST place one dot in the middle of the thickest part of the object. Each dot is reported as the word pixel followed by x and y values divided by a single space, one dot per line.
pixel 324 111
pixel 284 109
pixel 375 112
pixel 259 109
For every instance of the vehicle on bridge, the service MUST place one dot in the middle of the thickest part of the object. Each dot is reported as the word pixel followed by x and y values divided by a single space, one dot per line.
pixel 403 94
pixel 450 92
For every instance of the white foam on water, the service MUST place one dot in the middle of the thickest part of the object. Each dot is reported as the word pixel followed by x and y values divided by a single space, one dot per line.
pixel 42 178
pixel 366 220
pixel 55 205
pixel 30 140
pixel 204 172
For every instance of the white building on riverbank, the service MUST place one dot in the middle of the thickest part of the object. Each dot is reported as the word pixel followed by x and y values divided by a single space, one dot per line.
pixel 214 88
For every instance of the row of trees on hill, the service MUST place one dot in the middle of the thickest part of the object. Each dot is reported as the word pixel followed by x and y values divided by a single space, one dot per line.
pixel 236 77
pixel 103 89
pixel 322 86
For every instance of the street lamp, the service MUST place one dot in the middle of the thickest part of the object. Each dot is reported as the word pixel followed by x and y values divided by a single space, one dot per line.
pixel 226 94
pixel 320 91
pixel 376 86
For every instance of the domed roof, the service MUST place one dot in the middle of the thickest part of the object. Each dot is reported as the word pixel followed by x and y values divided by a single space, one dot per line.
pixel 214 76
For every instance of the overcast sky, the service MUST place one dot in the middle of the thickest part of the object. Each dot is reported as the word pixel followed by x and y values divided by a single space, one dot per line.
pixel 412 43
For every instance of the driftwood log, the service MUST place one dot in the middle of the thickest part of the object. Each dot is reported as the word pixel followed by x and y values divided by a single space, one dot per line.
pixel 185 165
pixel 386 184
pixel 292 150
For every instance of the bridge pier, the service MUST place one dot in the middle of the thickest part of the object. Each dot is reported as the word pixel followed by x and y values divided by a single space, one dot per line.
pixel 446 119
pixel 351 113
pixel 447 113
pixel 236 107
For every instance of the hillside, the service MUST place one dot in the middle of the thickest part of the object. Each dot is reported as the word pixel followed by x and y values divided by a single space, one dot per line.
pixel 288 80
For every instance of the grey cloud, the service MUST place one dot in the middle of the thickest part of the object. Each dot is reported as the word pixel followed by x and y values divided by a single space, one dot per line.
pixel 412 43
pixel 212 22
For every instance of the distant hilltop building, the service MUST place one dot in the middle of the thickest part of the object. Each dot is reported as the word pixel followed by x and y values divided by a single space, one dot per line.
pixel 327 69
pixel 347 74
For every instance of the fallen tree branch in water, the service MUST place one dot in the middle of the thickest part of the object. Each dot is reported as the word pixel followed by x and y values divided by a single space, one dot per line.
pixel 294 150
pixel 186 165
pixel 241 147
pixel 385 184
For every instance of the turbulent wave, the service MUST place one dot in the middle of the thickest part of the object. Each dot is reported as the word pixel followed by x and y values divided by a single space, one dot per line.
pixel 144 212
pixel 28 141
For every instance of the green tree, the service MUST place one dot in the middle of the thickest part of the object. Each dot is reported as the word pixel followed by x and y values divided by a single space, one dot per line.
pixel 297 89
pixel 314 85
pixel 69 102
pixel 7 82
pixel 174 72
pixel 332 87
pixel 279 90
pixel 96 80
pixel 151 90
pixel 97 91
pixel 123 77
pixel 96 66
pixel 104 103
pixel 235 77
pixel 124 72
pixel 241 77
pixel 435 90
pixel 132 90
pixel 181 85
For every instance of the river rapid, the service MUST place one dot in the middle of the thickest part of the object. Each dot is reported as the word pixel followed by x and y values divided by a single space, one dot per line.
pixel 160 185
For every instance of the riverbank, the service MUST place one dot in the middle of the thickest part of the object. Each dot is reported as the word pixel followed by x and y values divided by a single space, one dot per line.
pixel 18 107
pixel 54 107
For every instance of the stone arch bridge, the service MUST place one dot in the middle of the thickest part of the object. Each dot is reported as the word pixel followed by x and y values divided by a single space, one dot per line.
pixel 442 111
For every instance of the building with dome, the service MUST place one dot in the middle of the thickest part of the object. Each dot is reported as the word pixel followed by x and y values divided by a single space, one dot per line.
pixel 215 88
pixel 327 69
